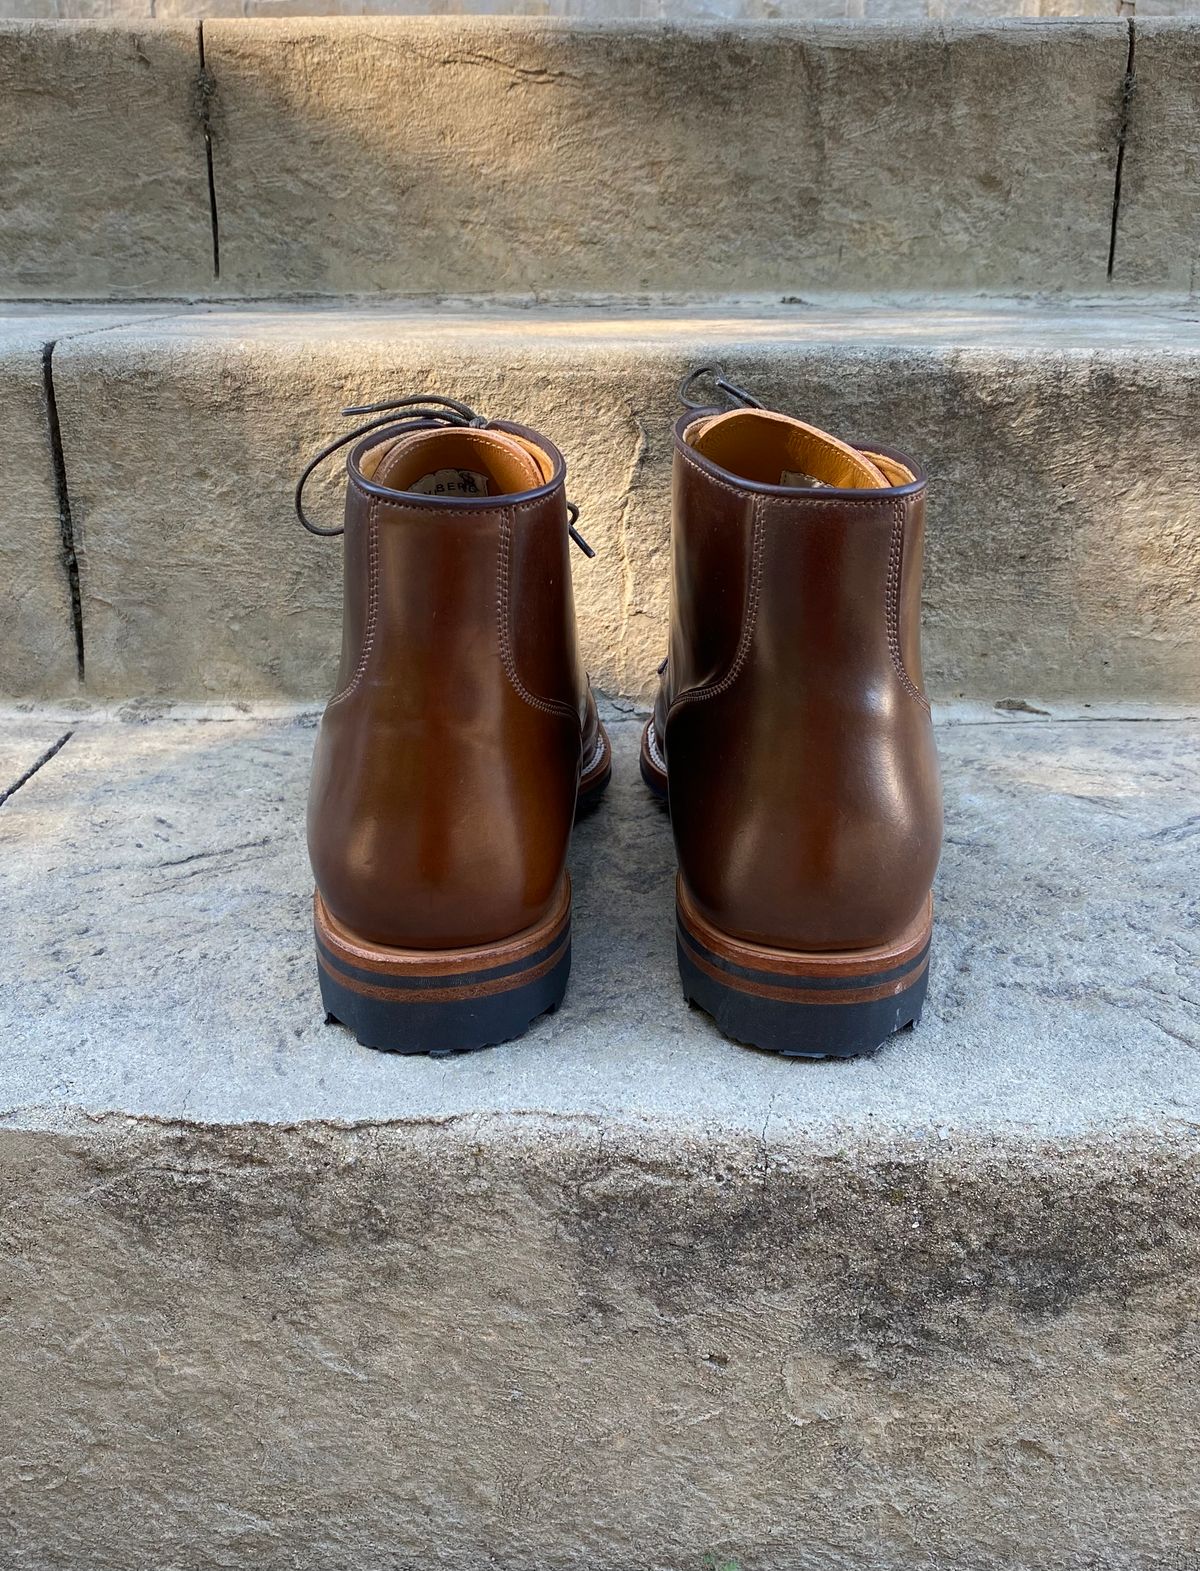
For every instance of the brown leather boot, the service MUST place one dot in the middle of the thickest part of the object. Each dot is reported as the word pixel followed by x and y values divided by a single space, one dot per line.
pixel 794 733
pixel 461 737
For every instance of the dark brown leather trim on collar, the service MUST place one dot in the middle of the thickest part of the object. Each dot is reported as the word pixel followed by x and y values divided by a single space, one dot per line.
pixel 456 504
pixel 752 488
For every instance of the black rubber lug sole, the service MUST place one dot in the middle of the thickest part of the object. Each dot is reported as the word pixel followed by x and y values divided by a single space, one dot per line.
pixel 802 1030
pixel 442 1029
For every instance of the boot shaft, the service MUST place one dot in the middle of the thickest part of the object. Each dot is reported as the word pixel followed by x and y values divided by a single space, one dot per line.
pixel 457 573
pixel 447 761
pixel 803 778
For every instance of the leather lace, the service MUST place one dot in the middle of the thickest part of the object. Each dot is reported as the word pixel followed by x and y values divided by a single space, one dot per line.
pixel 421 412
pixel 737 397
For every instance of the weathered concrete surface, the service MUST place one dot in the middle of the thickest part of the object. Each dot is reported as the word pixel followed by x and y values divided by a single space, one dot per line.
pixel 37 636
pixel 606 10
pixel 105 183
pixel 537 1346
pixel 37 648
pixel 1158 234
pixel 978 155
pixel 26 742
pixel 466 154
pixel 163 963
pixel 1064 534
pixel 38 656
pixel 619 1293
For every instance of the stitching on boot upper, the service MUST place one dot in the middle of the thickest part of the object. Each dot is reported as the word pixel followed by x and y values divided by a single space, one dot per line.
pixel 368 642
pixel 892 603
pixel 749 620
pixel 548 706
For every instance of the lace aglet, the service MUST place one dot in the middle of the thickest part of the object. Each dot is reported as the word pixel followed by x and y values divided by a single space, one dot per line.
pixel 572 520
pixel 739 397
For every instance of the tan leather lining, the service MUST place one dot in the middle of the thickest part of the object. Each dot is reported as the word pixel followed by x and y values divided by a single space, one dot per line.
pixel 510 463
pixel 895 473
pixel 762 447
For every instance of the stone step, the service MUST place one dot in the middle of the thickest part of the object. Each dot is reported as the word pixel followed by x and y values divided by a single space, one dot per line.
pixel 678 11
pixel 417 155
pixel 150 528
pixel 619 1293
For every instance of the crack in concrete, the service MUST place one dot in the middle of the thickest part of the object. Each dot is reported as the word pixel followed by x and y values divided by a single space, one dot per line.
pixel 763 1142
pixel 615 712
pixel 66 523
pixel 1054 720
pixel 540 75
pixel 205 89
pixel 1128 87
pixel 58 464
pixel 1181 831
pixel 91 304
pixel 478 1122
pixel 200 856
pixel 1020 706
pixel 38 763
pixel 635 1141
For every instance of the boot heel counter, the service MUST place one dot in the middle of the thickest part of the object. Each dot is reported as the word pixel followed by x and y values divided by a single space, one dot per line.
pixel 838 858
pixel 443 786
pixel 804 785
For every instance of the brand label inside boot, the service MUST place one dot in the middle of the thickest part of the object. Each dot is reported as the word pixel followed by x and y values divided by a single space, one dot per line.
pixel 798 477
pixel 452 482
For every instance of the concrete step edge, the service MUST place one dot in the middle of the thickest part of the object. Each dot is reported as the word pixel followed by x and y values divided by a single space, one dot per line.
pixel 316 1300
pixel 155 532
pixel 137 824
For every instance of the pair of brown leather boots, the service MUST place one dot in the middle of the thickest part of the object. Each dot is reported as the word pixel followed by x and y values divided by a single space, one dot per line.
pixel 791 735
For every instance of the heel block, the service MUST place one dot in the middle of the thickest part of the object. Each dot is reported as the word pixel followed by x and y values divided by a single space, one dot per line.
pixel 815 1005
pixel 447 1001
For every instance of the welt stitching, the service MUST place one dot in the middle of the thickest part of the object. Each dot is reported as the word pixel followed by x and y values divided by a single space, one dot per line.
pixel 653 746
pixel 892 604
pixel 372 609
pixel 749 620
pixel 547 706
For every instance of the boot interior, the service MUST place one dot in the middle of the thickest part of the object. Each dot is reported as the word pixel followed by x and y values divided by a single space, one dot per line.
pixel 458 463
pixel 772 449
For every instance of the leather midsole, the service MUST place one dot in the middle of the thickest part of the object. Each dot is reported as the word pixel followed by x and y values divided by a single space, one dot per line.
pixel 832 977
pixel 652 747
pixel 426 990
pixel 600 760
pixel 433 975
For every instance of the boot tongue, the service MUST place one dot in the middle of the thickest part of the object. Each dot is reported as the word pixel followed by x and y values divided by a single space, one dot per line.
pixel 772 449
pixel 459 463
